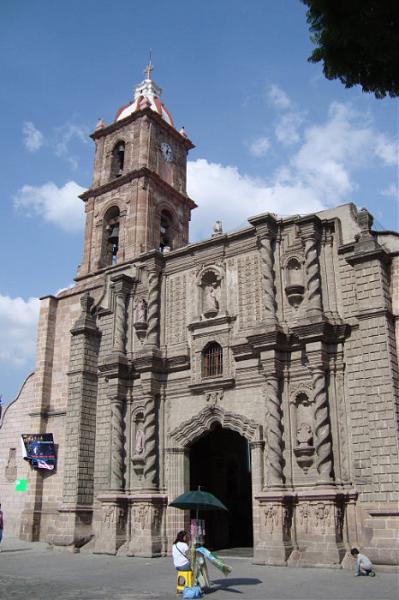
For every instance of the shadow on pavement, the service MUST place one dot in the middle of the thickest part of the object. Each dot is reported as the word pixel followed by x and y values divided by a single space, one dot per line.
pixel 230 583
pixel 15 550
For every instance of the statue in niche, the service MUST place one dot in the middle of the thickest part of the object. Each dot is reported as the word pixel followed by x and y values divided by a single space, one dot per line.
pixel 211 302
pixel 139 442
pixel 304 435
pixel 141 311
pixel 210 299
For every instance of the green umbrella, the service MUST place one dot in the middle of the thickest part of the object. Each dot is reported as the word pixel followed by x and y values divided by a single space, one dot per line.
pixel 197 500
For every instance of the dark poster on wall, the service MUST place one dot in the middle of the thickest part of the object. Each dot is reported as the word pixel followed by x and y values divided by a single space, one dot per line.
pixel 39 449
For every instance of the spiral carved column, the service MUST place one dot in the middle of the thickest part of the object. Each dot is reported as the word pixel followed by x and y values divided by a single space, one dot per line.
pixel 117 445
pixel 150 464
pixel 313 284
pixel 322 442
pixel 275 475
pixel 269 302
pixel 120 322
pixel 153 308
pixel 122 285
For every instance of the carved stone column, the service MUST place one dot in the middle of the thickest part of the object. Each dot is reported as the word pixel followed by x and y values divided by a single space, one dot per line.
pixel 117 444
pixel 310 230
pixel 322 441
pixel 272 370
pixel 122 285
pixel 153 309
pixel 150 442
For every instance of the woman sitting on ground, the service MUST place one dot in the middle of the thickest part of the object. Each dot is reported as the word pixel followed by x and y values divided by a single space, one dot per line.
pixel 180 550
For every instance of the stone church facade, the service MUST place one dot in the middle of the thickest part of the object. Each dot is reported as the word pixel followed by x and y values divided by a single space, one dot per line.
pixel 262 364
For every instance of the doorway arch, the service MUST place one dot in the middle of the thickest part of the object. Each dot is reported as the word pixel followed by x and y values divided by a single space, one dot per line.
pixel 182 444
pixel 220 463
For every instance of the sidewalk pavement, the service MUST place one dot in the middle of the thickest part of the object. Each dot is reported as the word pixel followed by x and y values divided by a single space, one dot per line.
pixel 33 571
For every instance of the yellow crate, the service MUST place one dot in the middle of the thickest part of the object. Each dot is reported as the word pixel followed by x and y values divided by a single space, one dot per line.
pixel 183 578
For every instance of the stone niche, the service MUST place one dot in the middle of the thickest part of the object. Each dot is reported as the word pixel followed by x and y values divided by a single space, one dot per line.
pixel 211 301
pixel 303 430
pixel 294 282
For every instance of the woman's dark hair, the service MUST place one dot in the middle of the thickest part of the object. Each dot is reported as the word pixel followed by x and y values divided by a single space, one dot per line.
pixel 354 551
pixel 180 536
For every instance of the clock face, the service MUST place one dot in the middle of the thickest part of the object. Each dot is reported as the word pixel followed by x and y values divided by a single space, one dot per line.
pixel 166 151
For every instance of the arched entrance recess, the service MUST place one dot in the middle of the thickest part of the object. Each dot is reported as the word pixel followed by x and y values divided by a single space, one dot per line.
pixel 217 446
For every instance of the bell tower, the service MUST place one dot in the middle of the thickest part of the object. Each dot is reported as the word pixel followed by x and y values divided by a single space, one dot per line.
pixel 137 201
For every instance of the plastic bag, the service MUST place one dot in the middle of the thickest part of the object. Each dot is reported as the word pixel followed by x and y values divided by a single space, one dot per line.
pixel 192 592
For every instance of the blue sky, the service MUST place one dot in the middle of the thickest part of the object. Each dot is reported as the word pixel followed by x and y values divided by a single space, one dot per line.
pixel 271 133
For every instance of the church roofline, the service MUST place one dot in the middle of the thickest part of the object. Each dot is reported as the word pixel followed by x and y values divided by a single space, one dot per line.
pixel 99 133
pixel 137 174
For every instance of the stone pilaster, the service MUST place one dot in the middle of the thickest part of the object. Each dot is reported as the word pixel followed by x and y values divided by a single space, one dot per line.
pixel 274 542
pixel 74 523
pixel 266 227
pixel 113 524
pixel 310 231
pixel 178 466
pixel 31 515
pixel 147 525
pixel 319 518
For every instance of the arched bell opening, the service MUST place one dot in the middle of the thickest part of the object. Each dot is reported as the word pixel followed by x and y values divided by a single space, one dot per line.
pixel 118 160
pixel 111 236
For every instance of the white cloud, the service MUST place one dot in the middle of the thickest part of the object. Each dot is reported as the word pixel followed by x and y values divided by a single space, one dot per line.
pixel 65 137
pixel 222 192
pixel 287 128
pixel 278 97
pixel 33 139
pixel 391 191
pixel 386 150
pixel 60 206
pixel 320 174
pixel 18 322
pixel 334 150
pixel 259 147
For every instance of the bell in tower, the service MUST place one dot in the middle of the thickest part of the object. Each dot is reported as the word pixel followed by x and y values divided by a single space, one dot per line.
pixel 137 201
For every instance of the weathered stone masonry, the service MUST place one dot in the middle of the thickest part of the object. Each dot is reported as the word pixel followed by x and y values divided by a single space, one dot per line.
pixel 304 314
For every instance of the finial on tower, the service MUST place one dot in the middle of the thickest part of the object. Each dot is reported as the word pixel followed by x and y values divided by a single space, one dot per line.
pixel 149 68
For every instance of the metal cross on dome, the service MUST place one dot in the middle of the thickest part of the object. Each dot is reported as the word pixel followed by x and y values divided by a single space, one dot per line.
pixel 149 68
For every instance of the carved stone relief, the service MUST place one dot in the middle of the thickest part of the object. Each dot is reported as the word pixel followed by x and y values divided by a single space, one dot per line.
pixel 249 298
pixel 176 309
